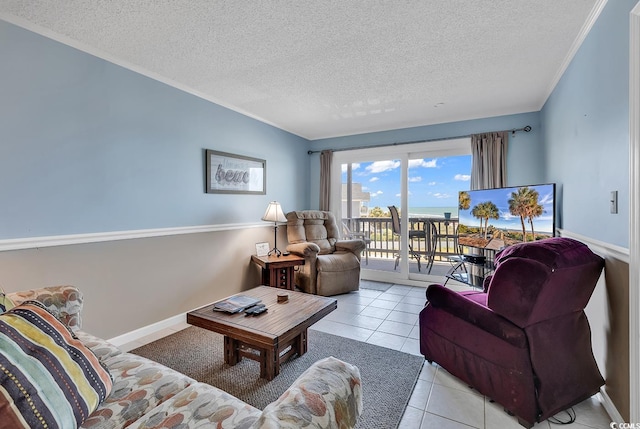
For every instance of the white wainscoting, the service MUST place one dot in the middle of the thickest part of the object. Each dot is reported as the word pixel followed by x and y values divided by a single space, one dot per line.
pixel 598 311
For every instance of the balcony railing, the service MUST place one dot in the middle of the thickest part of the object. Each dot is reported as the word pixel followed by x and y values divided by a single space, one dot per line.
pixel 385 244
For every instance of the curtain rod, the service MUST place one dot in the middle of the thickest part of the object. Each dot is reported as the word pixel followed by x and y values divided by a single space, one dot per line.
pixel 526 129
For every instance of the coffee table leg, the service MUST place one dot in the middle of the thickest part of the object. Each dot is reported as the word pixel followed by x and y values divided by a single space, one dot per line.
pixel 269 363
pixel 231 351
pixel 301 343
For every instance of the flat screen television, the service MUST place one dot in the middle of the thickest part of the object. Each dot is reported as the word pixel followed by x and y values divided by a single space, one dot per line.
pixel 500 217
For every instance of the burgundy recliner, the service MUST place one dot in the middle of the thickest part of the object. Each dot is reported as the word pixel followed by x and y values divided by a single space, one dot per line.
pixel 524 341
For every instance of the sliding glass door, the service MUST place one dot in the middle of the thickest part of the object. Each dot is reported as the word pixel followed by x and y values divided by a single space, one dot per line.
pixel 421 181
pixel 366 189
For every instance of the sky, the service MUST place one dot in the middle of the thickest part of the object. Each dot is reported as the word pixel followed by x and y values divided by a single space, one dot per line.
pixel 433 182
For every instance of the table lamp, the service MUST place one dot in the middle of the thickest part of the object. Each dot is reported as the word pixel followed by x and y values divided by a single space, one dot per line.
pixel 274 214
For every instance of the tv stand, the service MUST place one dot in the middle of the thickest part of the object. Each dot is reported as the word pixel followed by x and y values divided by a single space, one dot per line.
pixel 474 259
pixel 471 269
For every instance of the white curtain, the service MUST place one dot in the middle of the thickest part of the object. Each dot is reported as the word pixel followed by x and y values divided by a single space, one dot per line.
pixel 489 160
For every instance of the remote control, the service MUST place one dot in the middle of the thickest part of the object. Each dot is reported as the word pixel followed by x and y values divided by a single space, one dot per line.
pixel 256 309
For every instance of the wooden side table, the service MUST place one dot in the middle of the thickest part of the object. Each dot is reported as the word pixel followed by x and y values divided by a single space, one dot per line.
pixel 277 271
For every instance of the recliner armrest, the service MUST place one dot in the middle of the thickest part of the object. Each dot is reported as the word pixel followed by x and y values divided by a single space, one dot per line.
pixel 355 246
pixel 306 249
pixel 476 314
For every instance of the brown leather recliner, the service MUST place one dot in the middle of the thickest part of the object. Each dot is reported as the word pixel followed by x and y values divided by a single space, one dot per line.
pixel 332 265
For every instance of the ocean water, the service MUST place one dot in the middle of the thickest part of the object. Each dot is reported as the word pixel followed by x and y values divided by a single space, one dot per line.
pixel 432 211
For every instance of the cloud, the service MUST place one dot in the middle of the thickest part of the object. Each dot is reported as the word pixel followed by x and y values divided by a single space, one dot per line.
pixel 375 194
pixel 354 166
pixel 432 163
pixel 415 179
pixel 432 183
pixel 374 179
pixel 462 177
pixel 546 199
pixel 381 166
pixel 440 195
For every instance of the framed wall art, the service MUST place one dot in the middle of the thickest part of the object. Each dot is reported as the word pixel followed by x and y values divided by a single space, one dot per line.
pixel 235 174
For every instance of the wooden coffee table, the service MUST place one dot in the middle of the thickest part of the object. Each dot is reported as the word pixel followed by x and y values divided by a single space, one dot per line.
pixel 270 338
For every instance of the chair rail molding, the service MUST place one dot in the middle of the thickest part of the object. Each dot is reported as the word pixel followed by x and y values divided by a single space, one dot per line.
pixel 97 237
pixel 599 247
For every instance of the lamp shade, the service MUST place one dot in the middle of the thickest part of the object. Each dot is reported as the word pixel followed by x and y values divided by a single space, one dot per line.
pixel 274 213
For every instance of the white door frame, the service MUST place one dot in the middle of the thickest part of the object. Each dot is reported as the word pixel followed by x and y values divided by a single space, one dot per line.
pixel 428 148
pixel 634 214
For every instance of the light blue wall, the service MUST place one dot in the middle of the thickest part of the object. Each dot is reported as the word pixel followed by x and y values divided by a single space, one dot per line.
pixel 586 131
pixel 525 157
pixel 88 146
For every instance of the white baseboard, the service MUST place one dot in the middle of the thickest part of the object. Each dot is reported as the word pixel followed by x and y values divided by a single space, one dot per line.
pixel 174 321
pixel 611 409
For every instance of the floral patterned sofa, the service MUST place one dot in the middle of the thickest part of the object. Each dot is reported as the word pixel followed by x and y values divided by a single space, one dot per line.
pixel 146 394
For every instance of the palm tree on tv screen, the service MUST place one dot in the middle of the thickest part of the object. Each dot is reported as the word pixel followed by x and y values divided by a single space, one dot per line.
pixel 535 209
pixel 485 211
pixel 524 203
pixel 464 200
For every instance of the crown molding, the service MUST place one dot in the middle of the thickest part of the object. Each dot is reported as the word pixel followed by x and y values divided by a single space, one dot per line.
pixel 577 43
pixel 98 53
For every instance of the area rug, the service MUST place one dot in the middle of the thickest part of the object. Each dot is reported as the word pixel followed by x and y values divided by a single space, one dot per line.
pixel 388 376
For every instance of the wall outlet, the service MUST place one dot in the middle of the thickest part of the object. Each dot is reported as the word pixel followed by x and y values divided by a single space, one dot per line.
pixel 614 202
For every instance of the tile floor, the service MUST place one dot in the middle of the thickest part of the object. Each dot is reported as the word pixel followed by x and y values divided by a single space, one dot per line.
pixel 387 315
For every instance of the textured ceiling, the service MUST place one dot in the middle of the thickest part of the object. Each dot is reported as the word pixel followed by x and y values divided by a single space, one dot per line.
pixel 322 68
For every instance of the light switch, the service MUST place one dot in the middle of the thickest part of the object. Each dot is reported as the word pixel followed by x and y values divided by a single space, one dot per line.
pixel 614 202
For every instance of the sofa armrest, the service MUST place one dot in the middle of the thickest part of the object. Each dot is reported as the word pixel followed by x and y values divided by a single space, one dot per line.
pixel 327 395
pixel 355 246
pixel 65 302
pixel 475 314
pixel 304 249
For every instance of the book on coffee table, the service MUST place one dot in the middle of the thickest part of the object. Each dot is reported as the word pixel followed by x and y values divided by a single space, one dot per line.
pixel 235 304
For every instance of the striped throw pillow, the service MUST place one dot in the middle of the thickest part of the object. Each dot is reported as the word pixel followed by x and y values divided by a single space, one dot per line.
pixel 48 378
pixel 5 302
